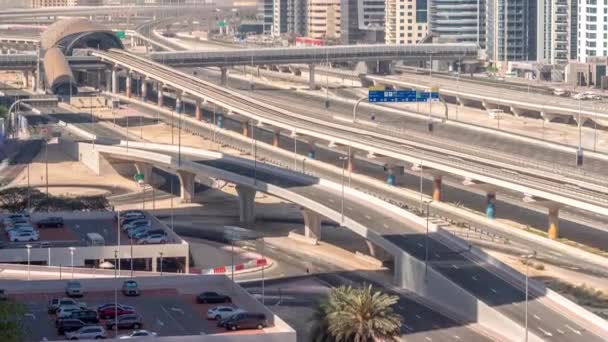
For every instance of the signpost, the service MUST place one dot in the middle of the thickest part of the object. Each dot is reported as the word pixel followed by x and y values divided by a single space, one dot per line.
pixel 121 34
pixel 375 96
pixel 139 177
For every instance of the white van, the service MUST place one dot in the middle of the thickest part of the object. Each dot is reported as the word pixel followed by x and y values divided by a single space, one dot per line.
pixel 95 239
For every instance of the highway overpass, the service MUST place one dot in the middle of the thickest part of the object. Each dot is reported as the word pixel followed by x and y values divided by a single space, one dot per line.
pixel 452 274
pixel 545 185
pixel 161 10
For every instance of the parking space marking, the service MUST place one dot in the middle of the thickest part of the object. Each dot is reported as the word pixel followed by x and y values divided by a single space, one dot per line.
pixel 181 327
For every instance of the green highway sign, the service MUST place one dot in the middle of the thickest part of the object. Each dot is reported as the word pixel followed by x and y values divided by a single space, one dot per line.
pixel 222 23
pixel 139 177
pixel 121 34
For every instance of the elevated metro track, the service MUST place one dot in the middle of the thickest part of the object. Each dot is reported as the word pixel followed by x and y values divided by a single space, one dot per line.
pixel 102 10
pixel 533 182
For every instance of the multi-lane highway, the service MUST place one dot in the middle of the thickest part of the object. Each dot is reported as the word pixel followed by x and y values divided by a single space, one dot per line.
pixel 528 178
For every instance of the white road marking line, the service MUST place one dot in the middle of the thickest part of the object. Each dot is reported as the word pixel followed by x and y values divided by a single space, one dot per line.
pixel 456 337
pixel 349 208
pixel 561 331
pixel 428 338
pixel 438 256
pixel 385 225
pixel 420 245
pixel 473 277
pixel 418 316
pixel 538 318
pixel 545 331
pixel 159 322
pixel 494 291
pixel 30 315
pixel 368 217
pixel 573 330
pixel 408 327
pixel 456 267
pixel 331 200
pixel 177 310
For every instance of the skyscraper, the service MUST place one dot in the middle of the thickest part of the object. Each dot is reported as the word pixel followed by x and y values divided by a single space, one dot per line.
pixel 458 20
pixel 511 30
pixel 324 19
pixel 406 21
pixel 279 17
pixel 265 11
pixel 593 29
pixel 555 25
pixel 362 21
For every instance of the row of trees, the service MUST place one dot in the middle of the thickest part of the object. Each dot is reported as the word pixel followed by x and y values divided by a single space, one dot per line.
pixel 351 314
pixel 21 199
pixel 11 321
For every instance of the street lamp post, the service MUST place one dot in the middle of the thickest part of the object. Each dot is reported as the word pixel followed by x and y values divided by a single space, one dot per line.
pixel 527 257
pixel 131 254
pixel 254 153
pixel 115 293
pixel 72 249
pixel 426 240
pixel 356 107
pixel 161 263
pixel 29 251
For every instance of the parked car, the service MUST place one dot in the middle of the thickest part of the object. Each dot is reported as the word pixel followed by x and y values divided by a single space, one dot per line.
pixel 8 229
pixel 51 222
pixel 212 298
pixel 25 236
pixel 128 321
pixel 74 289
pixel 222 312
pixel 110 311
pixel 152 238
pixel 130 214
pixel 66 311
pixel 26 227
pixel 138 334
pixel 87 316
pixel 130 288
pixel 68 324
pixel 87 333
pixel 131 220
pixel 17 221
pixel 12 217
pixel 137 223
pixel 140 235
pixel 107 305
pixel 3 294
pixel 247 320
pixel 55 303
pixel 134 232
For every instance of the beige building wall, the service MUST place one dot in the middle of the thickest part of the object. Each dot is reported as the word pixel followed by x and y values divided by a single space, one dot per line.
pixel 324 19
pixel 65 3
pixel 401 26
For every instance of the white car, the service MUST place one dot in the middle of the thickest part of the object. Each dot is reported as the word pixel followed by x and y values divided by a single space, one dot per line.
pixel 221 312
pixel 138 334
pixel 16 222
pixel 14 217
pixel 25 236
pixel 66 310
pixel 89 332
pixel 22 229
pixel 153 238
pixel 137 223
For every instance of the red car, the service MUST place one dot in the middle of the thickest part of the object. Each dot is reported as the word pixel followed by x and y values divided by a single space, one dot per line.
pixel 110 311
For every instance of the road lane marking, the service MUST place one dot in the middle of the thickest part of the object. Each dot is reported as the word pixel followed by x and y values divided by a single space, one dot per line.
pixel 420 245
pixel 494 291
pixel 438 256
pixel 30 315
pixel 561 331
pixel 385 225
pixel 456 267
pixel 538 318
pixel 330 200
pixel 418 316
pixel 456 337
pixel 473 277
pixel 368 217
pixel 177 310
pixel 407 327
pixel 573 330
pixel 545 332
pixel 428 338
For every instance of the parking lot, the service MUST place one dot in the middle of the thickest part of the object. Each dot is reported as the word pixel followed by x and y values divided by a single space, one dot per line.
pixel 75 230
pixel 168 311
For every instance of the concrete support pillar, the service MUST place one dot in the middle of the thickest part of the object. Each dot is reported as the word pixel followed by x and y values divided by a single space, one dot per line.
pixel 312 224
pixel 491 205
pixel 114 81
pixel 553 230
pixel 377 251
pixel 350 165
pixel 276 138
pixel 224 75
pixel 517 112
pixel 437 188
pixel 108 81
pixel 311 76
pixel 26 79
pixel 128 81
pixel 153 263
pixel 146 170
pixel 311 151
pixel 144 88
pixel 246 203
pixel 160 95
pixel 178 102
pixel 34 87
pixel 197 110
pixel 186 182
pixel 245 126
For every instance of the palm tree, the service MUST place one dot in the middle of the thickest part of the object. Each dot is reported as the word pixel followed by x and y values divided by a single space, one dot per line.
pixel 355 315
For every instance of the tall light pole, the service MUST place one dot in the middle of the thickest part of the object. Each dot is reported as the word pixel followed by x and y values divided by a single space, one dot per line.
pixel 426 240
pixel 115 293
pixel 72 249
pixel 46 167
pixel 527 257
pixel 343 159
pixel 29 251
pixel 357 106
pixel 254 153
